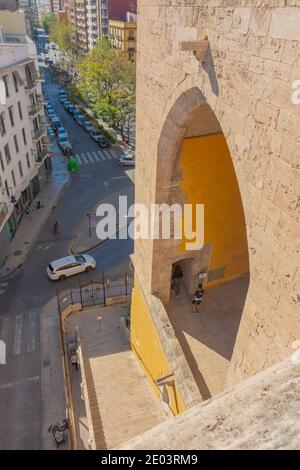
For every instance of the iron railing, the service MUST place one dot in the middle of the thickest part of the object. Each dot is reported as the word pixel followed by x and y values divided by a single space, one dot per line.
pixel 94 292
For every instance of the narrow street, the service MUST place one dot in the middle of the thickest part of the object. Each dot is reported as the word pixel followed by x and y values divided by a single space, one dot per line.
pixel 25 294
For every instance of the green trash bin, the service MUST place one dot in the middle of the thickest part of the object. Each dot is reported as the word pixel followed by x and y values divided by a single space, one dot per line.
pixel 73 165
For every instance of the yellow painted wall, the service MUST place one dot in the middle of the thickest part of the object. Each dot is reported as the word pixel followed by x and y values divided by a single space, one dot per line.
pixel 209 178
pixel 146 346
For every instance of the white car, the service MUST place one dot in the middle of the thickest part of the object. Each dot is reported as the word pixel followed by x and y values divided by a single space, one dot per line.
pixel 70 265
pixel 126 160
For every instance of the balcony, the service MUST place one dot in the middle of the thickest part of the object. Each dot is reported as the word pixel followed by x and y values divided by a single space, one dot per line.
pixel 38 132
pixel 34 109
pixel 30 84
pixel 40 156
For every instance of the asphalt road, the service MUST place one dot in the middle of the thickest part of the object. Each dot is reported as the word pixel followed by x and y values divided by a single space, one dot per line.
pixel 30 289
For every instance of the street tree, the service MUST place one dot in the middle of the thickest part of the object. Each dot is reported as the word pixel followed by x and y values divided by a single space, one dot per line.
pixel 49 21
pixel 64 35
pixel 107 82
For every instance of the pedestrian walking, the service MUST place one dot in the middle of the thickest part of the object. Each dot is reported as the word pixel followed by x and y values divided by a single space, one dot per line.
pixel 56 228
pixel 74 360
pixel 28 211
pixel 177 275
pixel 38 204
pixel 197 299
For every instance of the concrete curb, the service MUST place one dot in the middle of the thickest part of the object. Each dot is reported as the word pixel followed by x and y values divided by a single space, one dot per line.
pixel 101 242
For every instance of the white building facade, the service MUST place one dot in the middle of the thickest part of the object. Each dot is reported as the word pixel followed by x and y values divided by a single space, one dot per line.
pixel 24 162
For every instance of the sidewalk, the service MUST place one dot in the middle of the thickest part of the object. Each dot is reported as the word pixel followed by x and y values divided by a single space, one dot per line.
pixel 31 225
pixel 112 398
pixel 53 401
pixel 86 238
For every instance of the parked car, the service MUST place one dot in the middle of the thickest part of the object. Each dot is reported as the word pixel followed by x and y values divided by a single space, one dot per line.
pixel 50 131
pixel 51 115
pixel 99 138
pixel 49 108
pixel 69 107
pixel 79 118
pixel 66 104
pixel 64 144
pixel 70 265
pixel 62 131
pixel 56 124
pixel 126 160
pixel 87 125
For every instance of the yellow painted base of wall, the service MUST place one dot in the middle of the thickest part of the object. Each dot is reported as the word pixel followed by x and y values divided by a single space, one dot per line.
pixel 147 347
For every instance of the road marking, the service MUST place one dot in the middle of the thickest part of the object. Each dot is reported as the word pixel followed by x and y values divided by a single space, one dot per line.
pixel 96 156
pixel 2 291
pixel 48 246
pixel 90 157
pixel 31 332
pixel 3 284
pixel 78 159
pixel 8 385
pixel 101 155
pixel 111 153
pixel 18 335
pixel 4 329
pixel 106 154
pixel 119 177
pixel 84 158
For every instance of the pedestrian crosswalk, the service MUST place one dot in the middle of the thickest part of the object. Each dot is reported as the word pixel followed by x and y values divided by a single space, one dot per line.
pixel 87 158
pixel 20 333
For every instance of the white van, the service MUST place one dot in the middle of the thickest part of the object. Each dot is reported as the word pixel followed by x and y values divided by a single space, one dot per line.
pixel 70 265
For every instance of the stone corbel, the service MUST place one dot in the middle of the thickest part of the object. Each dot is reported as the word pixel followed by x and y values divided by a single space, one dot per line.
pixel 199 48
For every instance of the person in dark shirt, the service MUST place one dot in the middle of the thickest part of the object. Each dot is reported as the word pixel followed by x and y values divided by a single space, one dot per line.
pixel 176 279
pixel 197 299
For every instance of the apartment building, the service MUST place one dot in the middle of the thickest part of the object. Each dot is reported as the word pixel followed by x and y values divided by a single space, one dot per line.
pixel 24 161
pixel 90 17
pixel 122 35
pixel 30 9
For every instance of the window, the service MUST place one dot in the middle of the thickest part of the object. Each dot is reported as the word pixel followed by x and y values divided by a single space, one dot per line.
pixel 7 154
pixel 13 177
pixel 24 136
pixel 2 125
pixel 20 110
pixel 27 160
pixel 20 169
pixel 1 162
pixel 5 80
pixel 16 143
pixel 15 82
pixel 11 115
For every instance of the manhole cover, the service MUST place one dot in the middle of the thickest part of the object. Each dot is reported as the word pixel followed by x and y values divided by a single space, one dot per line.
pixel 46 362
pixel 26 243
pixel 18 252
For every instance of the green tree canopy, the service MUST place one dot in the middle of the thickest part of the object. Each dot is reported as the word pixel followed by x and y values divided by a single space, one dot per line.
pixel 49 21
pixel 64 35
pixel 107 81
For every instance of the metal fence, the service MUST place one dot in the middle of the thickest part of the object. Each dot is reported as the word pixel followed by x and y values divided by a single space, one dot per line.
pixel 94 292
